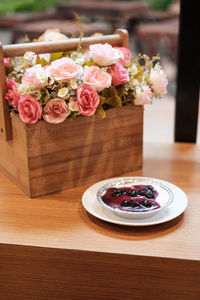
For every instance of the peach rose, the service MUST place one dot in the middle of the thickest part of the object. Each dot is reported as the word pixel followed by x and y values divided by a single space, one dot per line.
pixel 55 111
pixel 11 94
pixel 158 81
pixel 52 35
pixel 87 100
pixel 64 69
pixel 125 60
pixel 104 54
pixel 29 109
pixel 96 78
pixel 35 77
pixel 7 62
pixel 119 74
pixel 143 96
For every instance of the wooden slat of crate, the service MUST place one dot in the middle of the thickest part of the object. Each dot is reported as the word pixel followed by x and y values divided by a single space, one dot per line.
pixel 13 156
pixel 44 158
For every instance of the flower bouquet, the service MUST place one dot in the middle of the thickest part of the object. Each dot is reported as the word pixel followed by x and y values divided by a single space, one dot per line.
pixel 98 85
pixel 57 86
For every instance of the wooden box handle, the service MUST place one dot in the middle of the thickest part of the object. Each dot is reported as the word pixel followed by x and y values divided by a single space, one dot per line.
pixel 119 38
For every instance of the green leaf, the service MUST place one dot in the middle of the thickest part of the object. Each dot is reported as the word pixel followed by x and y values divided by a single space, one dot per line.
pixel 44 97
pixel 114 101
pixel 109 92
pixel 42 62
pixel 100 112
pixel 90 63
pixel 121 90
pixel 139 75
pixel 56 55
pixel 67 54
pixel 111 96
pixel 130 97
pixel 102 100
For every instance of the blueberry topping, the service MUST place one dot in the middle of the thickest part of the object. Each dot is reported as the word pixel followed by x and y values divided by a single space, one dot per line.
pixel 123 192
pixel 146 203
pixel 141 193
pixel 136 198
pixel 130 203
pixel 149 195
pixel 149 188
pixel 132 193
pixel 117 193
pixel 126 203
pixel 134 203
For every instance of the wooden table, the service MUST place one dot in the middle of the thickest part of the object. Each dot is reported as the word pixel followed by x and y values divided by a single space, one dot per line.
pixel 119 13
pixel 151 35
pixel 51 248
pixel 70 28
pixel 172 12
pixel 15 19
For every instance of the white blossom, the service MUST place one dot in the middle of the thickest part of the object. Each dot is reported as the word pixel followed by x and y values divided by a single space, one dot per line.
pixel 63 92
pixel 72 105
pixel 73 84
pixel 22 89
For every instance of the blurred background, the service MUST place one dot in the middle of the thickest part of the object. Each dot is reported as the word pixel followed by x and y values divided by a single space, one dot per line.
pixel 153 27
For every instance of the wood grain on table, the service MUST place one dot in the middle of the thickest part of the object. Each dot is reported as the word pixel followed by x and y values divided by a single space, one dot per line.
pixel 73 255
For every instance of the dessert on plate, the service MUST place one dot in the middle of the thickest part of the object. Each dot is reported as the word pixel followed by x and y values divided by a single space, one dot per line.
pixel 134 198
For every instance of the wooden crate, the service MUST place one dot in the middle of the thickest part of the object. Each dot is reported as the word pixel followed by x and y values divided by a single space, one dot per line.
pixel 43 158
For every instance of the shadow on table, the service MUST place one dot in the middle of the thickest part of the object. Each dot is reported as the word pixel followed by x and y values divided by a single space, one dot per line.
pixel 134 232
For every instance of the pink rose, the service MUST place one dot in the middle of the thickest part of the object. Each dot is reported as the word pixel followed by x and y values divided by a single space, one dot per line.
pixel 11 94
pixel 87 100
pixel 55 111
pixel 29 109
pixel 125 60
pixel 64 69
pixel 104 54
pixel 96 78
pixel 143 96
pixel 13 97
pixel 158 81
pixel 10 84
pixel 35 77
pixel 7 62
pixel 119 74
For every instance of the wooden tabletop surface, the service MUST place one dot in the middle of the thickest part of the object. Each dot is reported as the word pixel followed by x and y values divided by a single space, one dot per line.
pixel 60 221
pixel 59 224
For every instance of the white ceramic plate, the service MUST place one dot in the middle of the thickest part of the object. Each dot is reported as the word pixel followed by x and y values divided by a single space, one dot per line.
pixel 177 207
